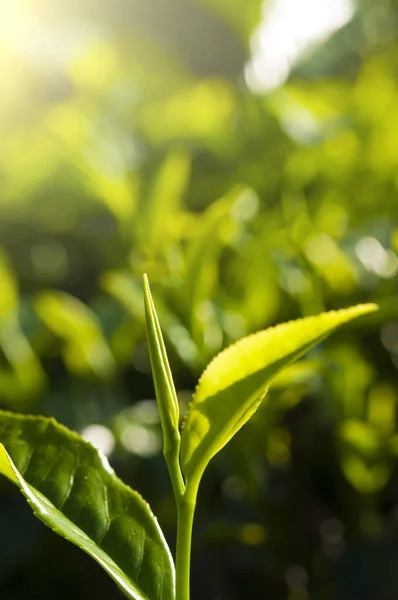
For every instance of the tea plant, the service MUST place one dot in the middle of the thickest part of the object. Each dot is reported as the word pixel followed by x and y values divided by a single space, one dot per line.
pixel 72 488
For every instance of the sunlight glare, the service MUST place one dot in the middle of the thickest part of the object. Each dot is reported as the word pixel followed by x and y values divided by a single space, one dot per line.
pixel 289 28
pixel 31 32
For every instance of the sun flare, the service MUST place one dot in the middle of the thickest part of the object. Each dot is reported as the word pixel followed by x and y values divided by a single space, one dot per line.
pixel 287 29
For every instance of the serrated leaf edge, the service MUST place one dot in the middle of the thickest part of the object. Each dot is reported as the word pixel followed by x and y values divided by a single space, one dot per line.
pixel 359 310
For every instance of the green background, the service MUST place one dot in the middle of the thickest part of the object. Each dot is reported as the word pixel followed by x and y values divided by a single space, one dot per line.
pixel 131 142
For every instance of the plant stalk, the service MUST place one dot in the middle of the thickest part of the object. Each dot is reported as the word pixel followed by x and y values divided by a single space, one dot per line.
pixel 185 516
pixel 171 454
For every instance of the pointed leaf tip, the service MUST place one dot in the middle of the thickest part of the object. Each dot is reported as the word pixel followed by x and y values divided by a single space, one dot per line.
pixel 236 380
pixel 164 385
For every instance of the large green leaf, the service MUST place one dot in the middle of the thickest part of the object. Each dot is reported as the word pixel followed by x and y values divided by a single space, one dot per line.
pixel 235 382
pixel 72 489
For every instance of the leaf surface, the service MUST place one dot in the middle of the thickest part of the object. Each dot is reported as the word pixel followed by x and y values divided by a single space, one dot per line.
pixel 74 491
pixel 164 385
pixel 235 382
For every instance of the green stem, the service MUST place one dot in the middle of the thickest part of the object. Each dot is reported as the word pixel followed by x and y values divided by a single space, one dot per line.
pixel 171 454
pixel 186 511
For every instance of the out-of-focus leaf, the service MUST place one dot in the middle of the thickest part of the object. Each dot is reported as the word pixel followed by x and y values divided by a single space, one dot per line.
pixel 26 376
pixel 350 380
pixel 9 286
pixel 382 405
pixel 366 477
pixel 257 304
pixel 331 263
pixel 74 491
pixel 117 193
pixel 296 374
pixel 76 324
pixel 234 384
pixel 216 227
pixel 361 436
pixel 201 111
pixel 165 201
pixel 125 288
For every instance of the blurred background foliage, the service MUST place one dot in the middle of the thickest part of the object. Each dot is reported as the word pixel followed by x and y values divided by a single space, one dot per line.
pixel 244 154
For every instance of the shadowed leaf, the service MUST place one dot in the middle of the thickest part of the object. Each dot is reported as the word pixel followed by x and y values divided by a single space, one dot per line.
pixel 74 491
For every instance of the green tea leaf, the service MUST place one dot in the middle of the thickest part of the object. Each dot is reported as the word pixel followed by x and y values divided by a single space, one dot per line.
pixel 165 392
pixel 235 382
pixel 74 491
pixel 164 385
